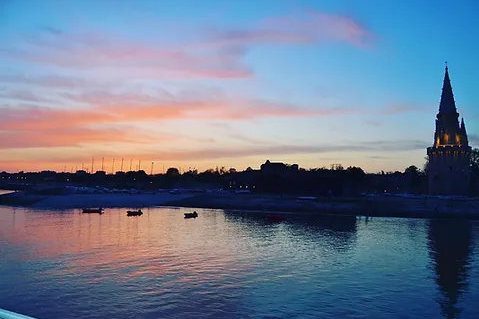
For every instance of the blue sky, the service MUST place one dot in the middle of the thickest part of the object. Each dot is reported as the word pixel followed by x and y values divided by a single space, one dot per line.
pixel 231 83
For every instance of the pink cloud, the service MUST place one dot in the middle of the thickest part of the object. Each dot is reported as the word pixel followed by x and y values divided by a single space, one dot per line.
pixel 127 57
pixel 306 28
pixel 78 156
pixel 219 54
pixel 61 136
pixel 107 113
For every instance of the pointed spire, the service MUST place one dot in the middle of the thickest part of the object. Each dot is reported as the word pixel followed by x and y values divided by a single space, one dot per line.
pixel 447 104
pixel 464 133
pixel 463 127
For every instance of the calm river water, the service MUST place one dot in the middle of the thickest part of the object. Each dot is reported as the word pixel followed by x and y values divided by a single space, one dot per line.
pixel 64 264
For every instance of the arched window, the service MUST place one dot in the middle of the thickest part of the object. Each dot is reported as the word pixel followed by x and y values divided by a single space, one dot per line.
pixel 446 138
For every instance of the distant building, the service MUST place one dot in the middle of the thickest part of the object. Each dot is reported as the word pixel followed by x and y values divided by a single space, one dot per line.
pixel 278 168
pixel 449 157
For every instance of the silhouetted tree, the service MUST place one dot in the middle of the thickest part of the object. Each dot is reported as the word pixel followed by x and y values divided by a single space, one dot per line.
pixel 172 171
pixel 415 179
pixel 412 170
pixel 474 171
pixel 475 159
pixel 355 173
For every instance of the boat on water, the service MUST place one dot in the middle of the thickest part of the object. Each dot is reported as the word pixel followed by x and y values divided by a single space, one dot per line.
pixel 134 212
pixel 191 215
pixel 275 218
pixel 92 211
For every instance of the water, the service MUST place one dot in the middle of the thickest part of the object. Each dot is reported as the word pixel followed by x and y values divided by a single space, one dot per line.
pixel 64 264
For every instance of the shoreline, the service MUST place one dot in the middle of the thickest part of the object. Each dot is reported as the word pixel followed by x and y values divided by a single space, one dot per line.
pixel 408 206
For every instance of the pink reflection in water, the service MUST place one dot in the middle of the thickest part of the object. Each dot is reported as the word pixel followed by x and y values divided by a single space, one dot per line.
pixel 161 242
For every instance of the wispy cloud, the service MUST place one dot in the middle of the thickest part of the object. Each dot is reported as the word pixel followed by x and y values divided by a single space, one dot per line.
pixel 172 154
pixel 401 109
pixel 286 149
pixel 106 110
pixel 47 157
pixel 63 136
pixel 306 27
pixel 24 95
pixel 90 88
pixel 218 53
pixel 127 57
pixel 281 149
pixel 48 81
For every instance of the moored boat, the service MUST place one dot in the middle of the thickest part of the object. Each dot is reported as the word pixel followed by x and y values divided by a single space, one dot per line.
pixel 275 218
pixel 191 215
pixel 92 211
pixel 134 212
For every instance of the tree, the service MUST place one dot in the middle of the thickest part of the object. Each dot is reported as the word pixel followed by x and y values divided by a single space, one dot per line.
pixel 475 171
pixel 337 167
pixel 415 179
pixel 173 171
pixel 356 173
pixel 192 172
pixel 475 159
pixel 412 170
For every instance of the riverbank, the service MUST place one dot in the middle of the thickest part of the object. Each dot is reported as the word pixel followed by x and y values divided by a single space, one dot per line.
pixel 82 200
pixel 379 206
pixel 384 205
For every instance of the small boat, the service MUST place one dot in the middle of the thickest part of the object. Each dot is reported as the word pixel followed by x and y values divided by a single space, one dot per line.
pixel 134 212
pixel 275 218
pixel 191 215
pixel 92 211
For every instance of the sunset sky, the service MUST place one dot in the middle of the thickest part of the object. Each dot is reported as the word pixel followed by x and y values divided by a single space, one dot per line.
pixel 231 83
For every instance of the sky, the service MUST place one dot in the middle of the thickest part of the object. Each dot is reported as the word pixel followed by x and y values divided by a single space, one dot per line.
pixel 205 84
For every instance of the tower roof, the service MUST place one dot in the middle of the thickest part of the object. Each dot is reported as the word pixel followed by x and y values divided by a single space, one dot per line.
pixel 447 105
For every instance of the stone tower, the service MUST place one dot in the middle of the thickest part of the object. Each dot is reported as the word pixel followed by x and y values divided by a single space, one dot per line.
pixel 449 157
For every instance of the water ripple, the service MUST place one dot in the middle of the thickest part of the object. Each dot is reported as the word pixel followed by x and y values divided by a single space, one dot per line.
pixel 235 265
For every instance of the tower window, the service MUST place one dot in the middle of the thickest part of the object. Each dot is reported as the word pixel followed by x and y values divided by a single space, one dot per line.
pixel 446 138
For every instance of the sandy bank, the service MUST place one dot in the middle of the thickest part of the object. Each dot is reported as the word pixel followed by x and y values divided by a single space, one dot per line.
pixel 397 206
pixel 90 200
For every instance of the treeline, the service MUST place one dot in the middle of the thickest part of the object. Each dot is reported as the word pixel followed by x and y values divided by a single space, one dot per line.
pixel 270 178
pixel 321 181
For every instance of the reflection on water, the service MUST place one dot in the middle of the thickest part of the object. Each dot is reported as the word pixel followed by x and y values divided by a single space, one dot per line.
pixel 337 232
pixel 450 245
pixel 231 264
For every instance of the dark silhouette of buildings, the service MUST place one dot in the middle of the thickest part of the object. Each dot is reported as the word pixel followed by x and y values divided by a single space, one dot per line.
pixel 279 178
pixel 449 157
pixel 277 168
